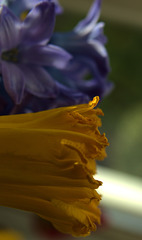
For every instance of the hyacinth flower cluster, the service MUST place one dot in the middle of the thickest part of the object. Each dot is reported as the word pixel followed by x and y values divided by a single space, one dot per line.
pixel 25 52
pixel 41 69
pixel 48 154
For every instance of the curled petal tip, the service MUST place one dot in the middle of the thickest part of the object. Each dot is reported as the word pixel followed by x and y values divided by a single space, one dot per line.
pixel 94 102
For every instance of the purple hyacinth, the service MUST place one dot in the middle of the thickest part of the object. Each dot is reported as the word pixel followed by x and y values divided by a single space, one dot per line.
pixel 25 52
pixel 87 71
pixel 20 6
pixel 65 97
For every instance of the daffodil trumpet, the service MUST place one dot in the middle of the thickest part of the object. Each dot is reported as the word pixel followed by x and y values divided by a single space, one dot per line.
pixel 47 164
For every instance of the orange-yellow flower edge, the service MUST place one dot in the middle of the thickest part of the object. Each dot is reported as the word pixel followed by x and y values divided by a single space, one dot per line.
pixel 47 163
pixel 10 235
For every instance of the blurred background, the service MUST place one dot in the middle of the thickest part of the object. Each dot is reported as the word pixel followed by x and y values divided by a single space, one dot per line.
pixel 121 172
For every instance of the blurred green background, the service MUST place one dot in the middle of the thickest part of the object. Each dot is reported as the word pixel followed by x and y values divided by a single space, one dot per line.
pixel 123 107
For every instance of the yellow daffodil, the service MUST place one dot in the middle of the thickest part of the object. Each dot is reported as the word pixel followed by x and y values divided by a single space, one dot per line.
pixel 47 163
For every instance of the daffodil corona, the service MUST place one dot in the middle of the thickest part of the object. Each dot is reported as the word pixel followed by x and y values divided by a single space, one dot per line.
pixel 47 163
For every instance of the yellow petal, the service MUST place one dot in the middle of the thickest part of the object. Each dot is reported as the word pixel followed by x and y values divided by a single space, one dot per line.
pixel 47 162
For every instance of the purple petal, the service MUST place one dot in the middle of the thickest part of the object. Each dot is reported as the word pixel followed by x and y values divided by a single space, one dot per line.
pixel 68 96
pixel 98 47
pixel 29 4
pixel 49 55
pixel 59 9
pixel 38 82
pixel 13 81
pixel 86 25
pixel 92 50
pixel 98 33
pixel 9 29
pixel 18 6
pixel 39 24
